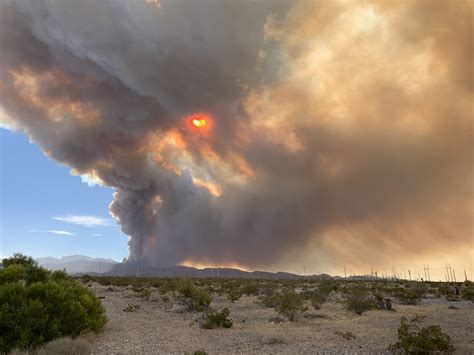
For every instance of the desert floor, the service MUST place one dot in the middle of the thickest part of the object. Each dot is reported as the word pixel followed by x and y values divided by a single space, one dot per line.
pixel 157 327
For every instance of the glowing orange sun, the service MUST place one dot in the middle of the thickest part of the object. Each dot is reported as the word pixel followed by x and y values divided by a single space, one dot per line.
pixel 199 122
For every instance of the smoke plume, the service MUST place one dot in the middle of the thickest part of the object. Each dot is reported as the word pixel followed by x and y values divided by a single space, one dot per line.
pixel 337 131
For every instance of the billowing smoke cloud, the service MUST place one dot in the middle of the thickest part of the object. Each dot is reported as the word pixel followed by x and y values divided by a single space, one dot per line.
pixel 337 130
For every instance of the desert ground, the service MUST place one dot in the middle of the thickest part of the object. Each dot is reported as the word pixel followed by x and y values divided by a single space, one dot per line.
pixel 159 326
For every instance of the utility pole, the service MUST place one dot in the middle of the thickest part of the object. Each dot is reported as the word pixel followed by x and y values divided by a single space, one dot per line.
pixel 428 269
pixel 345 274
pixel 447 273
pixel 137 269
pixel 454 274
pixel 465 275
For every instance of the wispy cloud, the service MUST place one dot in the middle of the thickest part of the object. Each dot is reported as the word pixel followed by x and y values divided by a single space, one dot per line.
pixel 84 221
pixel 96 235
pixel 60 232
pixel 54 231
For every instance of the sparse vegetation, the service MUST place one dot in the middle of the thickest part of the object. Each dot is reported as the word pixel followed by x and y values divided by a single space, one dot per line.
pixel 411 294
pixel 38 306
pixel 290 304
pixel 415 340
pixel 131 308
pixel 63 346
pixel 274 339
pixel 215 319
pixel 358 299
pixel 289 300
pixel 318 298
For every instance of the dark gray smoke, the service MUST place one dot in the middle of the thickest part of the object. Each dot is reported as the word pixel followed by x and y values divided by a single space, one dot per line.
pixel 321 141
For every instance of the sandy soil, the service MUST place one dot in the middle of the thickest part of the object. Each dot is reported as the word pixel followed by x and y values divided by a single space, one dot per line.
pixel 156 328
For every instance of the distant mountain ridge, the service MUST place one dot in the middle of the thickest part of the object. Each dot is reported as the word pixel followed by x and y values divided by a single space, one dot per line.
pixel 80 264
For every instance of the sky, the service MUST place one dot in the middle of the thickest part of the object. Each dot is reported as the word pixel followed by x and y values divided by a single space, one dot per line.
pixel 278 135
pixel 39 199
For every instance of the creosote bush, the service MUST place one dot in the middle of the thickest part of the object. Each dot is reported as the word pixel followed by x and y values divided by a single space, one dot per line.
pixel 358 299
pixel 415 340
pixel 215 319
pixel 290 304
pixel 196 299
pixel 37 306
pixel 233 295
pixel 317 299
pixel 412 294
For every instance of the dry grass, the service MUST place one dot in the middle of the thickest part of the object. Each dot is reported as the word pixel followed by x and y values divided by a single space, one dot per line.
pixel 63 346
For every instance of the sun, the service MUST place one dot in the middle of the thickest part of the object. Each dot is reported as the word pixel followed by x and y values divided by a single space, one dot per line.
pixel 199 122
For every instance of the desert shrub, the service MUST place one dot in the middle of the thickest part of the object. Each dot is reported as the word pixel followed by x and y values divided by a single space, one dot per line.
pixel 468 293
pixel 216 319
pixel 186 287
pixel 200 300
pixel 37 306
pixel 346 335
pixel 200 352
pixel 63 346
pixel 427 340
pixel 318 299
pixel 407 296
pixel 146 294
pixel 197 299
pixel 358 299
pixel 250 289
pixel 233 295
pixel 290 304
pixel 131 308
pixel 326 287
pixel 269 301
pixel 269 288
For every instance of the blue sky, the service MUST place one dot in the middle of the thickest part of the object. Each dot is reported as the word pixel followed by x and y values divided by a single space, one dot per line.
pixel 45 211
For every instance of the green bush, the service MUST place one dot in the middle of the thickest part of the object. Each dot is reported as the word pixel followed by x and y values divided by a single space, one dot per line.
pixel 233 295
pixel 197 299
pixel 200 300
pixel 290 304
pixel 468 293
pixel 37 306
pixel 318 299
pixel 412 294
pixel 250 289
pixel 358 299
pixel 270 300
pixel 427 340
pixel 215 319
